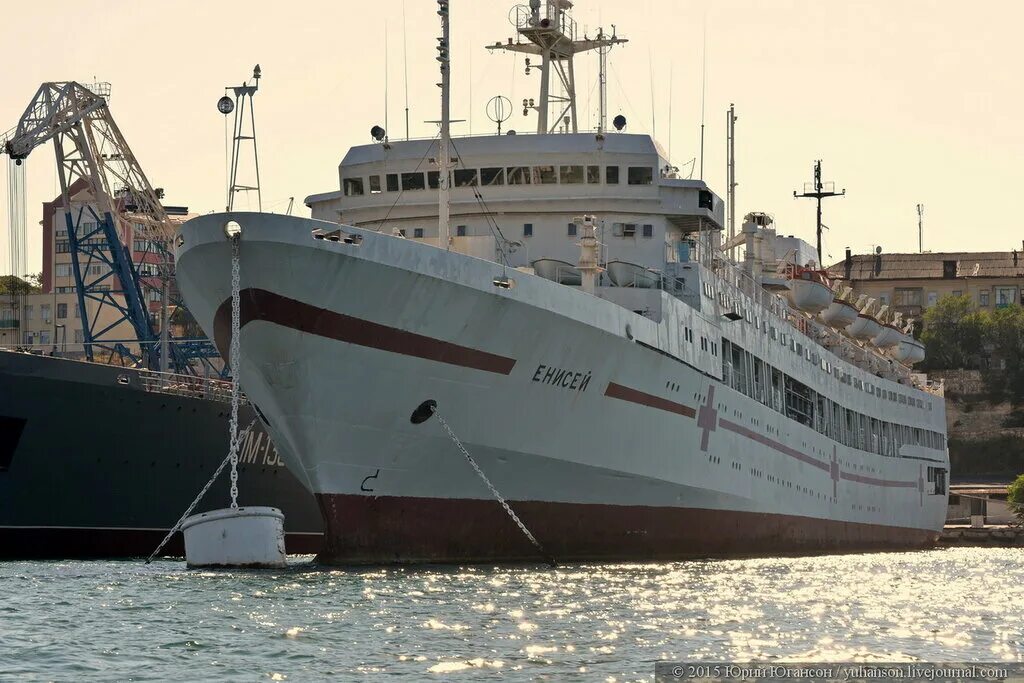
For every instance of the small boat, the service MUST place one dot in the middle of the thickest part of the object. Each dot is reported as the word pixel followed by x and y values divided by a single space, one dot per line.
pixel 625 274
pixel 864 327
pixel 887 337
pixel 562 272
pixel 909 350
pixel 839 314
pixel 808 289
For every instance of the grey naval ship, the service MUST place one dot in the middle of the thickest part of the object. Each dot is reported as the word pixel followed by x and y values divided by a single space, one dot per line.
pixel 101 461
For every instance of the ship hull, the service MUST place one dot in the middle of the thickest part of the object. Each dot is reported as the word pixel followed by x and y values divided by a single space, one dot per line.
pixel 387 529
pixel 605 446
pixel 91 465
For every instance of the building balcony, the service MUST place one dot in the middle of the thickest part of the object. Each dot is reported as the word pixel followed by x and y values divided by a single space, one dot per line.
pixel 9 324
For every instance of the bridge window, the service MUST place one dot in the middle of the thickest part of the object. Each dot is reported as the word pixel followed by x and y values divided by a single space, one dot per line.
pixel 593 175
pixel 433 179
pixel 648 230
pixel 527 229
pixel 466 177
pixel 492 176
pixel 572 230
pixel 460 231
pixel 375 184
pixel 641 175
pixel 392 182
pixel 417 232
pixel 571 175
pixel 611 175
pixel 353 186
pixel 545 175
pixel 518 175
pixel 413 181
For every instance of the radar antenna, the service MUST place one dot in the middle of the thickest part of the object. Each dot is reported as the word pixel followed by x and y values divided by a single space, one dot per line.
pixel 550 32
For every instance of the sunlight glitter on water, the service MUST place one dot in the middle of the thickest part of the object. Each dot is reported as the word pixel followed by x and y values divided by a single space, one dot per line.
pixel 108 620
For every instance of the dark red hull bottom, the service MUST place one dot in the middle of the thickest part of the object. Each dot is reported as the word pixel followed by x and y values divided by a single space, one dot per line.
pixel 384 530
pixel 58 543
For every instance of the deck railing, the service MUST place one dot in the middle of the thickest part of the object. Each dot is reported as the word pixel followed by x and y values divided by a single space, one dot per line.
pixel 184 385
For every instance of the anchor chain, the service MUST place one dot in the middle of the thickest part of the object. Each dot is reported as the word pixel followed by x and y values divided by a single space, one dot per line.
pixel 233 359
pixel 188 511
pixel 511 513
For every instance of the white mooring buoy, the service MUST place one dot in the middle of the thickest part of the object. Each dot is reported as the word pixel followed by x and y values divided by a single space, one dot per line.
pixel 235 537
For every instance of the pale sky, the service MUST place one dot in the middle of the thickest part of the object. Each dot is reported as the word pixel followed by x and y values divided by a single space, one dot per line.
pixel 906 101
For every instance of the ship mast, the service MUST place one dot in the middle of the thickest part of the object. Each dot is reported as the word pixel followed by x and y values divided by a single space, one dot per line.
pixel 444 146
pixel 819 190
pixel 551 34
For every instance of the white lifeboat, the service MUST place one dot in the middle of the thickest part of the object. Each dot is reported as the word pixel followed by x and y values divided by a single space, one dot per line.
pixel 808 289
pixel 562 272
pixel 864 327
pixel 839 314
pixel 625 274
pixel 887 337
pixel 909 350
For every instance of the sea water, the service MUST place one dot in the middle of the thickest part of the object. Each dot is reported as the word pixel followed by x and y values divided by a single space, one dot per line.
pixel 125 620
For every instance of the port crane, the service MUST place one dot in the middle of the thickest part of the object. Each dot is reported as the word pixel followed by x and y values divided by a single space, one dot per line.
pixel 125 212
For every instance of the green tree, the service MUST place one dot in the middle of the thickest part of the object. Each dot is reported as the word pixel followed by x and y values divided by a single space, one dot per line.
pixel 953 333
pixel 12 284
pixel 1015 497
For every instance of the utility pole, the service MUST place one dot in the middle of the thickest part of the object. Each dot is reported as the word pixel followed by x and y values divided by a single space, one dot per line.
pixel 920 228
pixel 819 190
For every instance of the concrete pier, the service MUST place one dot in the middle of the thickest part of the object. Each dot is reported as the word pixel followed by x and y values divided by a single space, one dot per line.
pixel 993 535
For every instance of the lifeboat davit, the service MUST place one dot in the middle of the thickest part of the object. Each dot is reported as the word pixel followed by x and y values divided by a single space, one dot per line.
pixel 887 337
pixel 909 350
pixel 625 274
pixel 839 314
pixel 864 327
pixel 561 272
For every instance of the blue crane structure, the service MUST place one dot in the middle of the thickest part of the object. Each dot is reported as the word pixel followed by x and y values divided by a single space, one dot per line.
pixel 90 148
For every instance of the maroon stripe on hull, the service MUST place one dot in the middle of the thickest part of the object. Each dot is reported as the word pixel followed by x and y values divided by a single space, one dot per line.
pixel 385 529
pixel 82 543
pixel 259 304
pixel 625 393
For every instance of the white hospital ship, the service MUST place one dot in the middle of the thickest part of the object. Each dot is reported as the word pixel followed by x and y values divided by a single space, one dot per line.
pixel 569 306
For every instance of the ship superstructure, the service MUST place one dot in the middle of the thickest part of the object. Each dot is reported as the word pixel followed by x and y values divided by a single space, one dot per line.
pixel 629 389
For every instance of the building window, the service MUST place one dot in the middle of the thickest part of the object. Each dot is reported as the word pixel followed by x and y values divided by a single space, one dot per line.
pixel 958 292
pixel 983 298
pixel 518 175
pixel 44 336
pixel 433 179
pixel 466 177
pixel 648 230
pixel 28 312
pixel 611 175
pixel 353 186
pixel 932 298
pixel 62 311
pixel 401 232
pixel 527 229
pixel 571 175
pixel 949 269
pixel 545 175
pixel 78 337
pixel 571 230
pixel 44 312
pixel 392 182
pixel 906 296
pixel 460 231
pixel 26 338
pixel 413 181
pixel 63 269
pixel 629 229
pixel 640 175
pixel 1005 296
pixel 593 175
pixel 492 176
pixel 375 184
pixel 417 232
